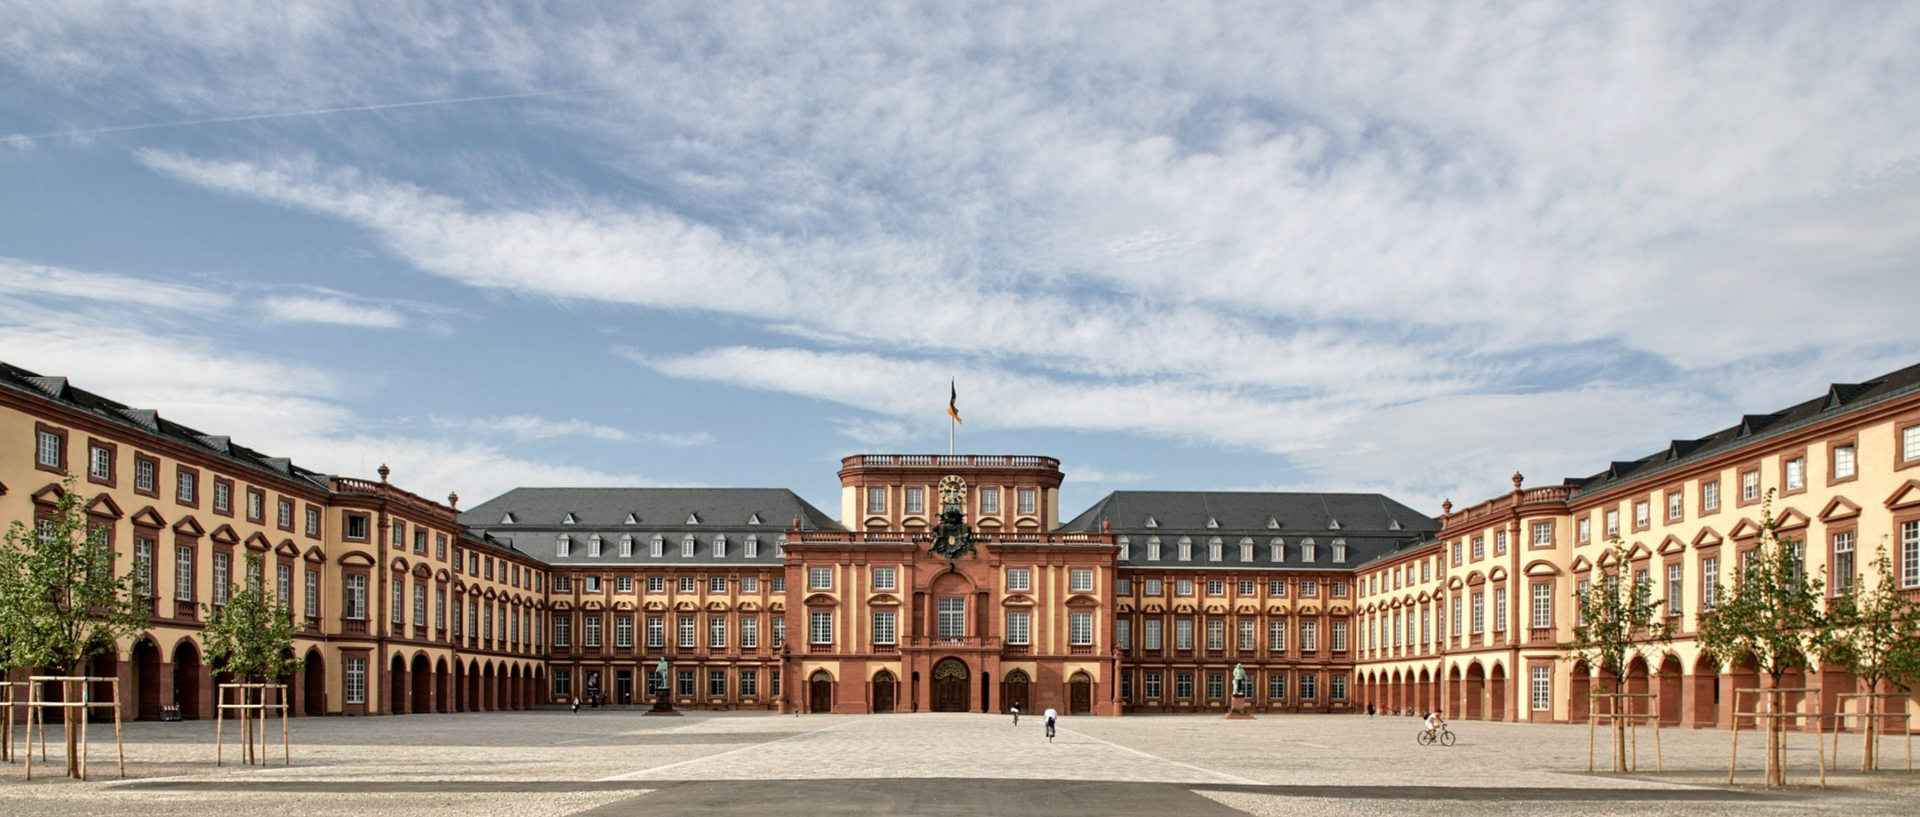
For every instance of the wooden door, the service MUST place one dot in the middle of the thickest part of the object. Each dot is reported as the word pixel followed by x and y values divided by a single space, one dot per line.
pixel 950 686
pixel 1016 694
pixel 1080 696
pixel 821 693
pixel 883 693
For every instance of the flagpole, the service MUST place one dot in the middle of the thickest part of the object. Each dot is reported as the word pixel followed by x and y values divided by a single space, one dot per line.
pixel 950 427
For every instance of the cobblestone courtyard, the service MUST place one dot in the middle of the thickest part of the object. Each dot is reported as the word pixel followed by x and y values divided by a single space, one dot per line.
pixel 606 762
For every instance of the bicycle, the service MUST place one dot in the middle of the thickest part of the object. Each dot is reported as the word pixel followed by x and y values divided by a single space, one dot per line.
pixel 1049 731
pixel 1428 737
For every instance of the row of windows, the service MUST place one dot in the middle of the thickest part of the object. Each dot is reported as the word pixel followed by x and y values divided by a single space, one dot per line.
pixel 1247 634
pixel 717 682
pixel 916 500
pixel 657 547
pixel 1276 588
pixel 1392 579
pixel 1309 550
pixel 658 584
pixel 1306 686
pixel 686 630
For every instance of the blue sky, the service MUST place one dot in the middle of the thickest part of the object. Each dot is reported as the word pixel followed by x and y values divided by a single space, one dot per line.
pixel 1399 247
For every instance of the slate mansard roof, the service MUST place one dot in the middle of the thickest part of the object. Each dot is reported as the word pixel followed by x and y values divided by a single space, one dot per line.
pixel 532 520
pixel 1368 525
pixel 148 421
pixel 1840 399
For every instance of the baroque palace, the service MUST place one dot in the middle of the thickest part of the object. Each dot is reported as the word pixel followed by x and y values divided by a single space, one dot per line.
pixel 950 583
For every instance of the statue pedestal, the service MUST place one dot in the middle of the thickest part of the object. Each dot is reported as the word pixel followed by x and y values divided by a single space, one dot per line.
pixel 663 705
pixel 1237 710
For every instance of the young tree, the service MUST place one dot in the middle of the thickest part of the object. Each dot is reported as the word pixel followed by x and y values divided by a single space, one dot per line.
pixel 60 602
pixel 1774 614
pixel 250 637
pixel 1876 636
pixel 1618 621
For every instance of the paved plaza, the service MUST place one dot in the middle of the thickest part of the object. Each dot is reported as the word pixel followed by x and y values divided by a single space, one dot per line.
pixel 621 763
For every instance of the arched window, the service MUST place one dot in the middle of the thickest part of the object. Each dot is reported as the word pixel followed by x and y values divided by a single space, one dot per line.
pixel 593 546
pixel 563 546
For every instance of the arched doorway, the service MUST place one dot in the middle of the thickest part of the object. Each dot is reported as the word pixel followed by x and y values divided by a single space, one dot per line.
pixel 1015 693
pixel 1426 691
pixel 1476 691
pixel 187 685
pixel 1670 686
pixel 474 690
pixel 1497 694
pixel 883 685
pixel 950 685
pixel 442 687
pixel 458 695
pixel 1456 693
pixel 1579 693
pixel 513 688
pixel 397 686
pixel 145 658
pixel 1706 693
pixel 1079 694
pixel 315 680
pixel 421 674
pixel 820 692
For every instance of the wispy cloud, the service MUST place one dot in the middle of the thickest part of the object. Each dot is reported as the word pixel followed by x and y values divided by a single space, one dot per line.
pixel 22 278
pixel 529 428
pixel 336 311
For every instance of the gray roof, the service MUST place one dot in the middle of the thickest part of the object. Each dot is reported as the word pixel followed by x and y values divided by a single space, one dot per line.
pixel 1368 525
pixel 1753 429
pixel 706 515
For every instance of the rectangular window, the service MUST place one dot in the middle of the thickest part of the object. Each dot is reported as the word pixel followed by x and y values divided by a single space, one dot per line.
pixel 1642 514
pixel 1309 687
pixel 655 584
pixel 623 584
pixel 1674 588
pixel 1459 621
pixel 1499 542
pixel 1456 553
pixel 399 605
pixel 591 584
pixel 356 598
pixel 819 578
pixel 685 627
pixel 779 586
pixel 876 500
pixel 687 544
pixel 1843 461
pixel 1183 587
pixel 1216 587
pixel 1019 579
pixel 716 683
pixel 656 632
pixel 1675 505
pixel 1583 529
pixel 1216 686
pixel 623 631
pixel 187 485
pixel 1183 685
pixel 1710 496
pixel 1337 687
pixel 1123 633
pixel 1152 685
pixel 883 578
pixel 563 683
pixel 1542 605
pixel 1080 629
pixel 749 632
pixel 749 683
pixel 1216 635
pixel 1339 636
pixel 440 549
pixel 686 584
pixel 883 627
pixel 313 521
pixel 1910 554
pixel 1843 569
pixel 820 627
pixel 1500 610
pixel 989 500
pixel 1019 632
pixel 751 584
pixel 1542 688
pixel 1426 625
pixel 1709 582
pixel 1479 613
pixel 1910 443
pixel 717 584
pixel 1796 477
pixel 684 683
pixel 50 450
pixel 356 680
pixel 1309 588
pixel 284 517
pixel 716 632
pixel 1309 636
pixel 1248 636
pixel 1277 588
pixel 1026 500
pixel 1613 522
pixel 1479 548
pixel 916 500
pixel 1183 634
pixel 1749 486
pixel 1154 587
pixel 419 605
pixel 1151 635
pixel 100 463
pixel 1276 686
pixel 562 631
pixel 143 565
pixel 1080 580
pixel 183 574
pixel 953 617
pixel 1276 635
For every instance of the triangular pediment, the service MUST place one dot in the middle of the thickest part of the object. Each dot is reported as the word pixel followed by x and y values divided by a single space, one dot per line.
pixel 1906 495
pixel 1839 507
pixel 1638 551
pixel 49 494
pixel 568 519
pixel 693 519
pixel 753 519
pixel 1790 519
pixel 1273 523
pixel 1744 529
pixel 1672 545
pixel 147 517
pixel 314 554
pixel 1582 563
pixel 226 535
pixel 1707 537
pixel 189 527
pixel 632 520
pixel 104 506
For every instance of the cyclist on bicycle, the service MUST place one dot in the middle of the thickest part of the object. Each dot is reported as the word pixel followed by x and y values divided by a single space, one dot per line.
pixel 1051 715
pixel 1434 724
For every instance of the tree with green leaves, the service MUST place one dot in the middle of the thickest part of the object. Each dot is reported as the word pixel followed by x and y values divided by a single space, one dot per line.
pixel 1774 614
pixel 1615 623
pixel 61 604
pixel 250 638
pixel 1876 636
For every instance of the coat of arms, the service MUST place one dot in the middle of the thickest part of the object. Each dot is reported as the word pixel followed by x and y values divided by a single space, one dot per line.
pixel 952 536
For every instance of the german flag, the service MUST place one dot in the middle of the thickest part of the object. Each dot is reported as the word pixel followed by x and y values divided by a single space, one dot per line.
pixel 953 409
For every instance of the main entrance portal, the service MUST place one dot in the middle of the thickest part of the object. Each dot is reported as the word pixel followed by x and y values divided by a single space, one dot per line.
pixel 950 686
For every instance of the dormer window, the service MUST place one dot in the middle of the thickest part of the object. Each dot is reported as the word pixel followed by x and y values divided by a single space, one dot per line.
pixel 656 547
pixel 753 547
pixel 1212 522
pixel 1393 525
pixel 1186 549
pixel 693 519
pixel 563 547
pixel 632 520
pixel 1306 550
pixel 1340 552
pixel 1213 549
pixel 1152 523
pixel 780 552
pixel 1333 524
pixel 1246 549
pixel 1126 549
pixel 506 520
pixel 719 547
pixel 593 546
pixel 686 546
pixel 626 546
pixel 568 519
pixel 1273 523
pixel 753 519
pixel 1153 548
pixel 1277 549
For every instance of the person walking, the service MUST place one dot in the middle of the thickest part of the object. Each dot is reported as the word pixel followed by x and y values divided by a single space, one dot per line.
pixel 1052 716
pixel 1369 710
pixel 576 704
pixel 1016 714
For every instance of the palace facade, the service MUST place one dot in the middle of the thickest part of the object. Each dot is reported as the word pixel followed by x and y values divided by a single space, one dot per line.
pixel 1144 602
